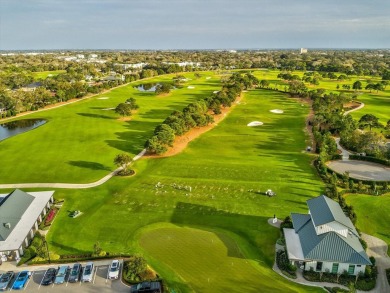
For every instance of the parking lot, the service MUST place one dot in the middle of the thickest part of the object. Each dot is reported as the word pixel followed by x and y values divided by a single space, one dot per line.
pixel 100 281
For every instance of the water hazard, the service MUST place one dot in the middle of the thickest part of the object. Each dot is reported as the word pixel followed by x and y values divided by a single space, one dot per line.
pixel 10 129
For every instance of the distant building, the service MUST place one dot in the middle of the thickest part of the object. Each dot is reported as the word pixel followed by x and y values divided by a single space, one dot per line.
pixel 325 240
pixel 303 51
pixel 20 215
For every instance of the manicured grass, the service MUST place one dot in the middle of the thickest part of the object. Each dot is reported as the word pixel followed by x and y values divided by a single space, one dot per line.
pixel 45 74
pixel 372 214
pixel 198 257
pixel 225 168
pixel 79 141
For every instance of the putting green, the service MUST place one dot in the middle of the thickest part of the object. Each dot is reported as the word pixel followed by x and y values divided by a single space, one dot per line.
pixel 210 262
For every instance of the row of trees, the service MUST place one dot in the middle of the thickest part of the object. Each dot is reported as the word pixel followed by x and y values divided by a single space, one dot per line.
pixel 198 114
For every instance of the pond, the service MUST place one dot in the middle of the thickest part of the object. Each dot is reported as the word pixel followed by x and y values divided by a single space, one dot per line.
pixel 16 127
pixel 149 87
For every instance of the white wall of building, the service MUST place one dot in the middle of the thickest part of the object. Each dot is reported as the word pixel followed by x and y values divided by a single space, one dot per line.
pixel 333 226
pixel 327 267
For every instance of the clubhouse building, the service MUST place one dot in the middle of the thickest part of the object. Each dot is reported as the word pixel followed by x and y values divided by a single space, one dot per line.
pixel 325 240
pixel 20 215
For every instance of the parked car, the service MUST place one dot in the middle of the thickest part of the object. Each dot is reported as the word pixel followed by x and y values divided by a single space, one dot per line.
pixel 146 287
pixel 61 274
pixel 75 273
pixel 21 280
pixel 113 270
pixel 87 272
pixel 49 277
pixel 5 280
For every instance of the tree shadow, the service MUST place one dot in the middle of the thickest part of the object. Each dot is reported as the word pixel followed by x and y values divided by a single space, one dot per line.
pixel 89 165
pixel 100 116
pixel 247 227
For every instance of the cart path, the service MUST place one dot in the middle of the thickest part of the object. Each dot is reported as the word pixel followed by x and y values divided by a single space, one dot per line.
pixel 70 185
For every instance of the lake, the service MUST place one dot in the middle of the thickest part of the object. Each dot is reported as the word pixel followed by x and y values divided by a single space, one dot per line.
pixel 10 129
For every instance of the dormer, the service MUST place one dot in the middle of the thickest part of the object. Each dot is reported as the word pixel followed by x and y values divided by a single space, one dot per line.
pixel 327 216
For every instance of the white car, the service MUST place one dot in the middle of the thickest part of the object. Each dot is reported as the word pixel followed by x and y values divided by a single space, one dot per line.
pixel 113 270
pixel 87 273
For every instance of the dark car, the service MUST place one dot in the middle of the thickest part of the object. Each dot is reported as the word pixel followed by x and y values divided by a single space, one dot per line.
pixel 146 287
pixel 5 279
pixel 49 277
pixel 75 273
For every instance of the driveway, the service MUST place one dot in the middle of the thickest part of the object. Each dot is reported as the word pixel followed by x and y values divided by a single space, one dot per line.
pixel 378 248
pixel 361 170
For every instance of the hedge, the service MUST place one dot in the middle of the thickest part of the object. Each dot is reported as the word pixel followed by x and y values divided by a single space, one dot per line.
pixel 370 159
pixel 77 258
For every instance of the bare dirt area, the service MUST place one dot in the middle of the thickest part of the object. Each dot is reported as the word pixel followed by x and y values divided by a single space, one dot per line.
pixel 181 142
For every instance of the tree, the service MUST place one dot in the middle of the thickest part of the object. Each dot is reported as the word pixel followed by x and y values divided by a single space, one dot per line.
pixel 123 160
pixel 163 88
pixel 123 109
pixel 357 85
pixel 154 145
pixel 165 134
pixel 369 120
pixel 264 83
pixel 132 103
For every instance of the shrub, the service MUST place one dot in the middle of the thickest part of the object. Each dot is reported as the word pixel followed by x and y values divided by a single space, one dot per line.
pixel 336 290
pixel 373 260
pixel 388 275
pixel 284 264
pixel 134 268
pixel 365 284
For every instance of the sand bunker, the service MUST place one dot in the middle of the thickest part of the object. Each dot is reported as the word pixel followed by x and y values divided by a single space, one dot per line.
pixel 215 92
pixel 190 87
pixel 107 109
pixel 255 123
pixel 103 98
pixel 208 77
pixel 277 111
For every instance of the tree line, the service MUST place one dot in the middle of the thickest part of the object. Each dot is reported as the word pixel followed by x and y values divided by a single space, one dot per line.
pixel 199 113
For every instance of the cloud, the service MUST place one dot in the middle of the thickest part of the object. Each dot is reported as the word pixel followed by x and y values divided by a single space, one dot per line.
pixel 202 23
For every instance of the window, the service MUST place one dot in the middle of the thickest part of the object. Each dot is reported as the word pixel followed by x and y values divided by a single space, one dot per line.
pixel 335 268
pixel 319 266
pixel 351 269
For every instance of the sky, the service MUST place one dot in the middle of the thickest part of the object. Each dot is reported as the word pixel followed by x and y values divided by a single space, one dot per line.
pixel 193 24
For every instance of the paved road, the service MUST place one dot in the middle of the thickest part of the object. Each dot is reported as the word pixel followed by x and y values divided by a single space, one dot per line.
pixel 378 248
pixel 353 110
pixel 344 153
pixel 100 282
pixel 69 185
pixel 361 170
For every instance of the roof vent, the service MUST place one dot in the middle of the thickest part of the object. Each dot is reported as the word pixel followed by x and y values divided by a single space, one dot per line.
pixel 7 225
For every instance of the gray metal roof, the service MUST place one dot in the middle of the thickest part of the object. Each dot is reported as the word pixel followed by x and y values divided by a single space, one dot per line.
pixel 299 220
pixel 16 207
pixel 12 208
pixel 330 246
pixel 325 210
